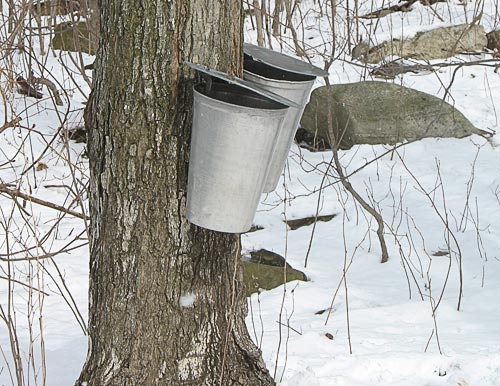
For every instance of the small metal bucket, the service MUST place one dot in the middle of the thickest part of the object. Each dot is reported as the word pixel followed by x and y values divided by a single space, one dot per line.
pixel 233 138
pixel 289 78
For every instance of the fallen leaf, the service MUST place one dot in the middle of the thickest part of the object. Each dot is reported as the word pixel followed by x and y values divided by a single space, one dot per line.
pixel 41 166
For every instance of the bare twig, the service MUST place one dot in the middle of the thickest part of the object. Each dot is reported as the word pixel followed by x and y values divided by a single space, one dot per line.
pixel 316 215
pixel 11 123
pixel 347 185
pixel 16 193
pixel 51 86
pixel 24 285
pixel 444 219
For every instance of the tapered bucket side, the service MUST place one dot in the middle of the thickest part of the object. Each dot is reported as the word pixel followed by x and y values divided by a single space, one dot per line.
pixel 295 87
pixel 233 138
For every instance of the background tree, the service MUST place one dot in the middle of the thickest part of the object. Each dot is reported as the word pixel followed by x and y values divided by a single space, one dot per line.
pixel 166 303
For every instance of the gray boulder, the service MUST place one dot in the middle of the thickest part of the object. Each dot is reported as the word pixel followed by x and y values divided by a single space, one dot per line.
pixel 434 44
pixel 381 113
pixel 74 37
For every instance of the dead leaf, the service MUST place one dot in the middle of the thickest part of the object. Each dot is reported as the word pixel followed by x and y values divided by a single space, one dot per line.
pixel 41 166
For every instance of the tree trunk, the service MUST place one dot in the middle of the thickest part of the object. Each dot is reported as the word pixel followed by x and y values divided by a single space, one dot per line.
pixel 167 305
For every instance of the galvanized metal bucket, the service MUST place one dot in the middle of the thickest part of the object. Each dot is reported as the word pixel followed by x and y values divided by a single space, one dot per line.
pixel 290 78
pixel 298 91
pixel 233 138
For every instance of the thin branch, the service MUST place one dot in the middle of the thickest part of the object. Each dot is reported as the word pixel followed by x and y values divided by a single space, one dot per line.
pixel 24 285
pixel 347 185
pixel 16 193
pixel 11 123
pixel 51 86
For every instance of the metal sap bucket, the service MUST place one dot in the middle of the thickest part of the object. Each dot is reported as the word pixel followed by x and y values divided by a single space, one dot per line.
pixel 290 78
pixel 233 137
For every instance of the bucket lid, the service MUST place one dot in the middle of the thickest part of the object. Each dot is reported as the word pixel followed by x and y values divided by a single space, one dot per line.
pixel 282 61
pixel 243 83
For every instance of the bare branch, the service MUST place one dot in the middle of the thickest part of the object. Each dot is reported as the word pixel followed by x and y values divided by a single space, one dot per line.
pixel 16 193
pixel 51 86
pixel 11 123
pixel 347 185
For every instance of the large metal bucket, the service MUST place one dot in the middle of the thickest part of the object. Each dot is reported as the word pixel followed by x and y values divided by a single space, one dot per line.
pixel 297 91
pixel 233 138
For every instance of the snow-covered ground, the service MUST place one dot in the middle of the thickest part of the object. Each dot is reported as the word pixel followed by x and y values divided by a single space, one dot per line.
pixel 356 322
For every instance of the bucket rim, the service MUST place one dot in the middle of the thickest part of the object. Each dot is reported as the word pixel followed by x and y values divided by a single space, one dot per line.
pixel 279 110
pixel 281 61
pixel 280 81
pixel 231 79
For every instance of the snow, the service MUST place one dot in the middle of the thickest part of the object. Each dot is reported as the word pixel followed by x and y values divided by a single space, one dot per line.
pixel 187 300
pixel 356 322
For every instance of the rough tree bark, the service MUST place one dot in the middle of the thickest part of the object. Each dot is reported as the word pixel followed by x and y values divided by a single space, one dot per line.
pixel 166 300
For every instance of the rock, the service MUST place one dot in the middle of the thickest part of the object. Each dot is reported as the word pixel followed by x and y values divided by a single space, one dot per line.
pixel 434 44
pixel 493 40
pixel 74 37
pixel 265 257
pixel 55 7
pixel 448 41
pixel 382 113
pixel 360 50
pixel 264 269
pixel 311 141
pixel 255 228
pixel 440 253
pixel 302 222
pixel 78 134
pixel 389 70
